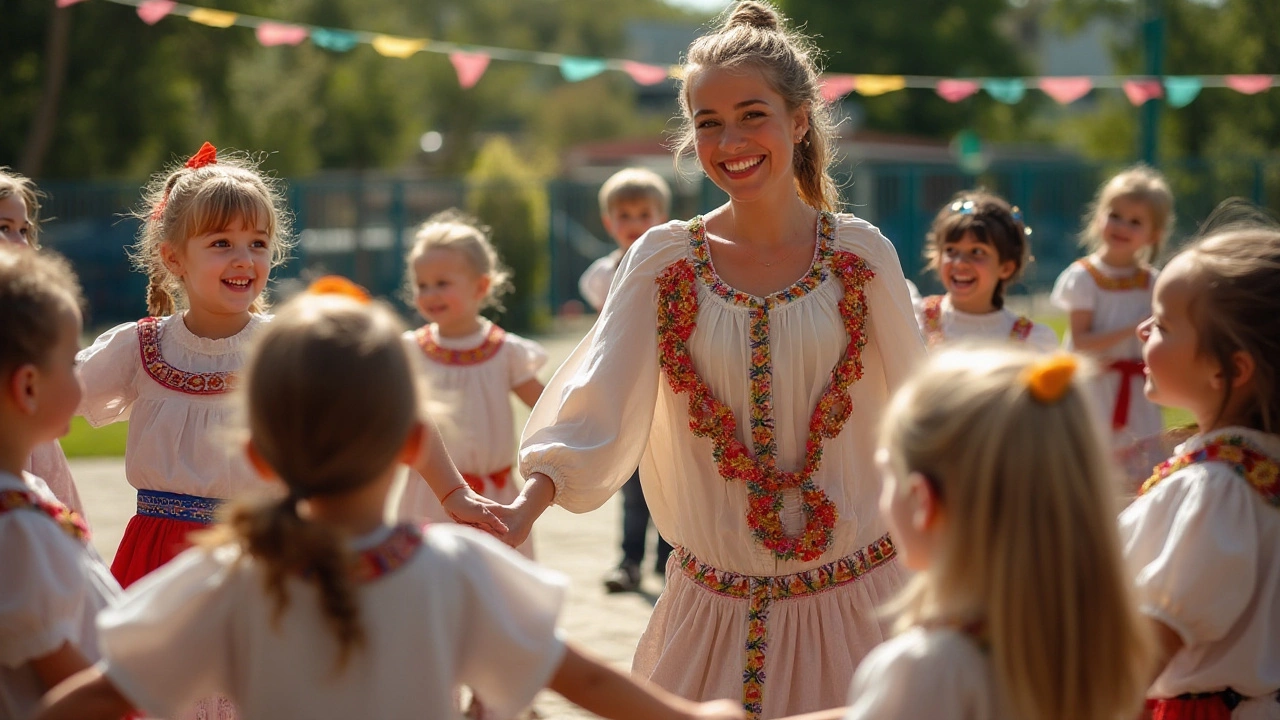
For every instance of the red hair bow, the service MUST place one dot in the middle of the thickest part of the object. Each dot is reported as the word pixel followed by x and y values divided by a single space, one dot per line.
pixel 338 285
pixel 206 155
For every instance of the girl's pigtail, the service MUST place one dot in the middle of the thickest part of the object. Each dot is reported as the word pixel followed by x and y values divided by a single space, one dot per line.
pixel 288 546
pixel 159 300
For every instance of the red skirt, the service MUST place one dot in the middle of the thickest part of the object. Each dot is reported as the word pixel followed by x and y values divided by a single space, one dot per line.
pixel 148 543
pixel 1201 706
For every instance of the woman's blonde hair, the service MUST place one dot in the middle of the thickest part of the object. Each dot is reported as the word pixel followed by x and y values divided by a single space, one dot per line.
pixel 754 36
pixel 330 400
pixel 14 184
pixel 184 202
pixel 1030 547
pixel 1143 184
pixel 453 229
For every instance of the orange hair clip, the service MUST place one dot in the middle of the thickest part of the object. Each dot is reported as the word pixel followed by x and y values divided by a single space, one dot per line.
pixel 338 285
pixel 1049 378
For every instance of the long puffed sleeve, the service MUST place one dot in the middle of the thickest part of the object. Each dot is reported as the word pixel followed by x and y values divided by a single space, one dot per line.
pixel 109 369
pixel 591 425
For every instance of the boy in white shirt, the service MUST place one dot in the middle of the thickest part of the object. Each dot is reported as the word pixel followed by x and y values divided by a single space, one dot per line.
pixel 631 201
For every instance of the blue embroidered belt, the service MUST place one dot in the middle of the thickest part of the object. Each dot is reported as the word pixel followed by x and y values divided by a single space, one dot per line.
pixel 176 506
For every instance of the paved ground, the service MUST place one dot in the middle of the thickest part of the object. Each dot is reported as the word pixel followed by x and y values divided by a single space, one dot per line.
pixel 582 546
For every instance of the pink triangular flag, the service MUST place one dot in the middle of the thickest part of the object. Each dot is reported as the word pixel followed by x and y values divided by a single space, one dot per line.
pixel 1249 84
pixel 469 66
pixel 270 33
pixel 957 90
pixel 153 11
pixel 1066 90
pixel 67 3
pixel 835 87
pixel 1142 91
pixel 644 74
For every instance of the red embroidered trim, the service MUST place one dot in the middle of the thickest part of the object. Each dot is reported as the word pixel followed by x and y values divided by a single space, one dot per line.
pixel 1137 281
pixel 204 383
pixel 1256 467
pixel 389 555
pixel 711 418
pixel 932 311
pixel 69 520
pixel 489 347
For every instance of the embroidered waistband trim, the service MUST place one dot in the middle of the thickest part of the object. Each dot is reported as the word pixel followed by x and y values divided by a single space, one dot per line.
pixel 176 506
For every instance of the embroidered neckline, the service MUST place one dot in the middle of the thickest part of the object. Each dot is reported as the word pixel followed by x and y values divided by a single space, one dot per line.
pixel 711 418
pixel 932 311
pixel 706 271
pixel 1140 280
pixel 389 555
pixel 70 521
pixel 1259 469
pixel 487 348
pixel 192 383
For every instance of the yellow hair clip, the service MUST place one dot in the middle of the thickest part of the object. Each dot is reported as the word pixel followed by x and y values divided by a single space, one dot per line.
pixel 1049 378
pixel 338 285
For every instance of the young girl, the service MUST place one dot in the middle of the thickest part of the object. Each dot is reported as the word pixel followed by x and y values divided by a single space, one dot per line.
pixel 471 366
pixel 20 226
pixel 1203 538
pixel 1109 292
pixel 309 606
pixel 978 246
pixel 743 363
pixel 996 491
pixel 52 584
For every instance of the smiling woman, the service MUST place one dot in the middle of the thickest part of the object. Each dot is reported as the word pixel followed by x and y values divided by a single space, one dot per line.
pixel 743 361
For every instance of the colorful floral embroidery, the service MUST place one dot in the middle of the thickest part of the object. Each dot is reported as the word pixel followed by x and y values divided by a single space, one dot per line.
pixel 932 311
pixel 762 592
pixel 1021 328
pixel 177 506
pixel 389 555
pixel 69 520
pixel 1140 280
pixel 489 347
pixel 203 383
pixel 1260 470
pixel 711 418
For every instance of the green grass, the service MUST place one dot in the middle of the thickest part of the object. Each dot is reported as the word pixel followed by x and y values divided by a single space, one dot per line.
pixel 87 441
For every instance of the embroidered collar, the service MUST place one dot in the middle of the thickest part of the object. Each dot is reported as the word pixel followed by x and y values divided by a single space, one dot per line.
pixel 69 520
pixel 706 271
pixel 1140 280
pixel 192 383
pixel 932 311
pixel 487 348
pixel 1260 470
pixel 389 555
pixel 711 418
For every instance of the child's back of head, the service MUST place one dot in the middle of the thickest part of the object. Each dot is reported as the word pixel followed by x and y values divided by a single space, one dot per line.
pixel 1004 444
pixel 330 402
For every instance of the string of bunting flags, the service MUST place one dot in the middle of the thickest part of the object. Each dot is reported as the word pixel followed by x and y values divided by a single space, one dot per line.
pixel 471 61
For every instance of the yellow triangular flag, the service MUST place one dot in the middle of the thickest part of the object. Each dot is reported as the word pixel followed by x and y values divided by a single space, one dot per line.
pixel 397 47
pixel 878 84
pixel 213 18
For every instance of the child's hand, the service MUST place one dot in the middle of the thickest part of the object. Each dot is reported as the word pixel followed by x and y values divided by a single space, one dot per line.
pixel 717 710
pixel 519 517
pixel 468 507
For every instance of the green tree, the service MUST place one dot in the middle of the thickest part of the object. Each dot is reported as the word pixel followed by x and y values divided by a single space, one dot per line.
pixel 923 37
pixel 510 197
